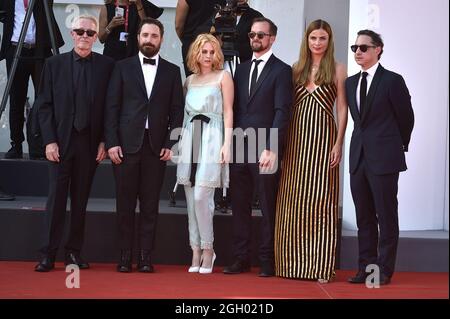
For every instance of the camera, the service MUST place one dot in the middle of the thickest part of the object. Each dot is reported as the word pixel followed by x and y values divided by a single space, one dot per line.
pixel 224 26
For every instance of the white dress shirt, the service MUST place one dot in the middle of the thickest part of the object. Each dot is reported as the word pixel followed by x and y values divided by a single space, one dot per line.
pixel 264 58
pixel 370 75
pixel 19 19
pixel 149 72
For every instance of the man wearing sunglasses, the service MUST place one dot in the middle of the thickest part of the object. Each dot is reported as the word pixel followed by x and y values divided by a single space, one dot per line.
pixel 71 101
pixel 263 100
pixel 380 106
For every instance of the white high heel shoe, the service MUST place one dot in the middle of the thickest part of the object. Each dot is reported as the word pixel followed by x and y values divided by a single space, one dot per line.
pixel 204 270
pixel 196 268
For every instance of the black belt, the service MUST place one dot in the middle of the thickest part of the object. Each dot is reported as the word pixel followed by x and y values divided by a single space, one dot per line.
pixel 197 130
pixel 25 45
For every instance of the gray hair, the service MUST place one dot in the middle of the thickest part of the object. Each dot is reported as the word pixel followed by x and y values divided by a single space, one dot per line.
pixel 87 17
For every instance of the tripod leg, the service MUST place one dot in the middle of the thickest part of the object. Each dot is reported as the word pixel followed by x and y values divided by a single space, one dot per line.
pixel 12 73
pixel 51 27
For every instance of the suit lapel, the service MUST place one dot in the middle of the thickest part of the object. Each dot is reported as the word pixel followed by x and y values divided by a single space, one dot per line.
pixel 265 72
pixel 137 69
pixel 372 90
pixel 246 74
pixel 67 68
pixel 94 79
pixel 352 99
pixel 158 77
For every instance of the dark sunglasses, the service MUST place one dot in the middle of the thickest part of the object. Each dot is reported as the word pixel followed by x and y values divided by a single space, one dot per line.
pixel 362 47
pixel 260 35
pixel 80 32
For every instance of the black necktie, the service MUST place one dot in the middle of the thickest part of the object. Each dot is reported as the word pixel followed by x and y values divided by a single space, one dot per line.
pixel 81 98
pixel 363 93
pixel 254 76
pixel 149 61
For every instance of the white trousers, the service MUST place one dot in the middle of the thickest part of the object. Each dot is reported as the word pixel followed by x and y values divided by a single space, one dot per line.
pixel 200 206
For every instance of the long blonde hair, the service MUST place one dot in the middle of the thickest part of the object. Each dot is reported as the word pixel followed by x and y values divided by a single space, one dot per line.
pixel 195 52
pixel 327 68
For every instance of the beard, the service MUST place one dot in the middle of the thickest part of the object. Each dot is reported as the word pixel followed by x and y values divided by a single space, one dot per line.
pixel 257 47
pixel 149 49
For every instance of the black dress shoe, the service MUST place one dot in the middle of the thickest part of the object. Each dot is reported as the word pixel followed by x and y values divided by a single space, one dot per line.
pixel 124 264
pixel 14 152
pixel 384 279
pixel 6 196
pixel 144 261
pixel 359 278
pixel 238 267
pixel 266 271
pixel 45 265
pixel 75 259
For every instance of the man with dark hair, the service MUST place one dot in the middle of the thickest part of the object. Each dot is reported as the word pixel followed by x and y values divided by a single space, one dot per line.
pixel 71 101
pixel 263 100
pixel 145 102
pixel 380 106
pixel 36 48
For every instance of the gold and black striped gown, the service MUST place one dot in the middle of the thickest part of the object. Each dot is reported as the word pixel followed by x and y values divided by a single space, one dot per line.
pixel 307 205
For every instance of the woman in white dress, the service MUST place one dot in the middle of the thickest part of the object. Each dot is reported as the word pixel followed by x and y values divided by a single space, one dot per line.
pixel 205 144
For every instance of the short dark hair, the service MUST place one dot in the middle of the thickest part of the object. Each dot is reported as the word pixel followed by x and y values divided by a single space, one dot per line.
pixel 376 39
pixel 151 21
pixel 273 28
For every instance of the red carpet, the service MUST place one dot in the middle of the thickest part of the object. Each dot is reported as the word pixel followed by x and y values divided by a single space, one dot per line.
pixel 19 280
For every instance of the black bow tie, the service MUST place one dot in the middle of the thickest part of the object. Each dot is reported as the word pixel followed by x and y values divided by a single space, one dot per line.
pixel 150 61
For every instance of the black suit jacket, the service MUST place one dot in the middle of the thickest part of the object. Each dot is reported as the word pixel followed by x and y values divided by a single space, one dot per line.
pixel 243 28
pixel 270 104
pixel 55 101
pixel 384 130
pixel 43 43
pixel 128 106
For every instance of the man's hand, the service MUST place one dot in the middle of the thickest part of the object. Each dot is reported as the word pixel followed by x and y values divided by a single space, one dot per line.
pixel 267 162
pixel 115 154
pixel 101 152
pixel 52 152
pixel 165 154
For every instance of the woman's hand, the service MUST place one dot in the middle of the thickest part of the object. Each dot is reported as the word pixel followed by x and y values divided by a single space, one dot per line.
pixel 335 156
pixel 225 154
pixel 115 22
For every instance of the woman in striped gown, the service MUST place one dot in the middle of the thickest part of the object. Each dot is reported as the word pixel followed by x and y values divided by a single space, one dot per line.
pixel 307 206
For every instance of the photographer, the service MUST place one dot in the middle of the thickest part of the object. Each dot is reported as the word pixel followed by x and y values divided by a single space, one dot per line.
pixel 118 24
pixel 36 47
pixel 245 16
pixel 192 18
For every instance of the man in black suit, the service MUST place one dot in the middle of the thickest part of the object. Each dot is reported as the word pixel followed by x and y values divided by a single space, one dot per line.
pixel 145 102
pixel 380 106
pixel 37 47
pixel 71 103
pixel 263 100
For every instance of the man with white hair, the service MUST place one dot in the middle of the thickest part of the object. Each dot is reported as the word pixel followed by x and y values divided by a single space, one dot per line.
pixel 71 102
